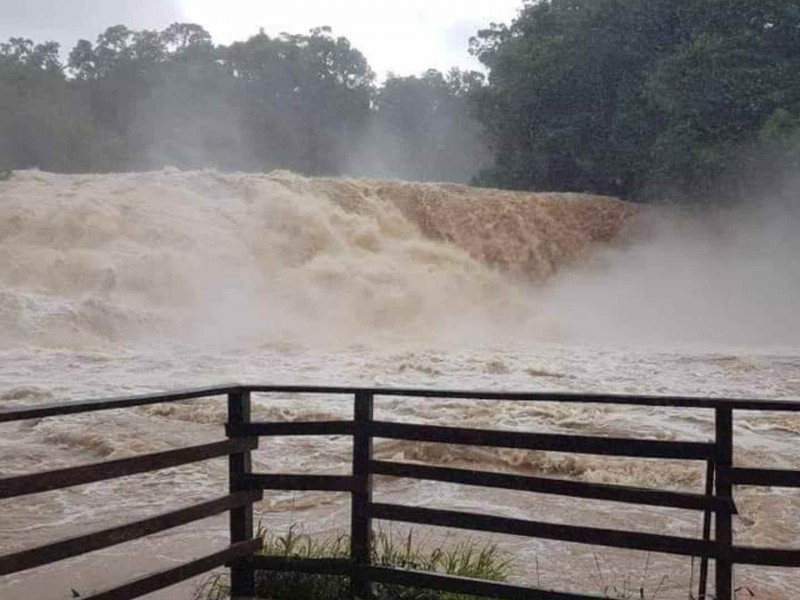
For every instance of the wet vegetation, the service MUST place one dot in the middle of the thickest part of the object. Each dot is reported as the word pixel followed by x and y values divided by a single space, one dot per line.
pixel 635 98
pixel 465 558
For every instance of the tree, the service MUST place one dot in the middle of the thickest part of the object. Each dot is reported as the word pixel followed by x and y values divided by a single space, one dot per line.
pixel 305 97
pixel 634 97
pixel 716 91
pixel 37 109
pixel 424 128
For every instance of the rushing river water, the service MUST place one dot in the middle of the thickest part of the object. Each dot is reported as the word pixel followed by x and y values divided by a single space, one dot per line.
pixel 766 516
pixel 114 285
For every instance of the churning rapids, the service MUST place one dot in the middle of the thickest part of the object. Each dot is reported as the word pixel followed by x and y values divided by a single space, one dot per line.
pixel 119 284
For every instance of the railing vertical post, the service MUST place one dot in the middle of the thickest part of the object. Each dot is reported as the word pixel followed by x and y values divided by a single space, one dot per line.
pixel 241 519
pixel 361 523
pixel 702 587
pixel 724 533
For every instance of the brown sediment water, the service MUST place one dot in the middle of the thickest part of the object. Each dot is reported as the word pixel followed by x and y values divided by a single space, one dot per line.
pixel 115 284
pixel 88 259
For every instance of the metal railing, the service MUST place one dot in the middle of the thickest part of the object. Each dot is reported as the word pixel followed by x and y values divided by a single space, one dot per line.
pixel 247 487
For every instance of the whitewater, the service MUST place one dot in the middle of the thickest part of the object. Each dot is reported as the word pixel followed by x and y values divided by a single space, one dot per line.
pixel 131 283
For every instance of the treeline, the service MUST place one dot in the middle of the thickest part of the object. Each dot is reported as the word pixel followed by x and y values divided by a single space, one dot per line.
pixel 144 99
pixel 644 98
pixel 637 98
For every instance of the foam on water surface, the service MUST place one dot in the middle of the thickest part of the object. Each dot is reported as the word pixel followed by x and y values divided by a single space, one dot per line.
pixel 121 284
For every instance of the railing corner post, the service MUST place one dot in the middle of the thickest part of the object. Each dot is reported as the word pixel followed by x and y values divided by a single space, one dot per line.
pixel 724 490
pixel 241 519
pixel 361 521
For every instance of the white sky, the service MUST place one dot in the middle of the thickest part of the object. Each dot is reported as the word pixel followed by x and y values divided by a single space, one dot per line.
pixel 403 36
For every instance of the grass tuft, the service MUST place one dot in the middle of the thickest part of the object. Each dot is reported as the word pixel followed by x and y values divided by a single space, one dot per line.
pixel 465 559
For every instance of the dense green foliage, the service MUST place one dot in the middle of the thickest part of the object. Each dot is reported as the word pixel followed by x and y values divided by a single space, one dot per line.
pixel 144 99
pixel 637 98
pixel 641 97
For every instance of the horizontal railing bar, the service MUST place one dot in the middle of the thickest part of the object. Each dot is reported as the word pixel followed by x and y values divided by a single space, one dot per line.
pixel 292 428
pixel 317 566
pixel 791 405
pixel 463 585
pixel 546 485
pixel 542 441
pixel 162 579
pixel 83 544
pixel 772 557
pixel 67 408
pixel 70 408
pixel 551 531
pixel 393 576
pixel 61 478
pixel 765 477
pixel 319 483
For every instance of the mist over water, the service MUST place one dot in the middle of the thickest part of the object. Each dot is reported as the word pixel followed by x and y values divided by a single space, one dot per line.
pixel 209 258
pixel 119 284
pixel 724 278
pixel 384 150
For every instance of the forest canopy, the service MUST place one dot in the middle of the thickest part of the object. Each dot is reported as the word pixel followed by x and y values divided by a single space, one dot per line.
pixel 637 98
pixel 643 97
pixel 137 100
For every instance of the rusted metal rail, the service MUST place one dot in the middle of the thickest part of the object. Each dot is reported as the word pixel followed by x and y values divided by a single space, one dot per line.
pixel 246 488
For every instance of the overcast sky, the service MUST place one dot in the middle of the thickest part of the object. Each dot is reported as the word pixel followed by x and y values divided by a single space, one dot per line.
pixel 403 36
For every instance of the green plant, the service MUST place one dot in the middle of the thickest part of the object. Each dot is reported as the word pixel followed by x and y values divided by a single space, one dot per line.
pixel 466 558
